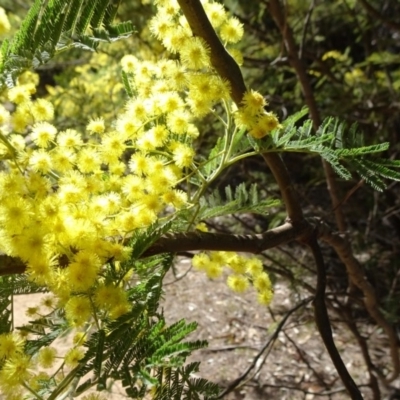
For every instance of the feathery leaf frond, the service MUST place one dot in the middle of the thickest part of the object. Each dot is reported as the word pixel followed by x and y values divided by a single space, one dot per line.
pixel 56 25
pixel 341 146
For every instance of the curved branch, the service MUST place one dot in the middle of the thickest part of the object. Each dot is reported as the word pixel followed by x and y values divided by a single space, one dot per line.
pixel 301 72
pixel 221 60
pixel 323 322
pixel 178 242
pixel 356 275
pixel 289 195
pixel 362 342
pixel 228 69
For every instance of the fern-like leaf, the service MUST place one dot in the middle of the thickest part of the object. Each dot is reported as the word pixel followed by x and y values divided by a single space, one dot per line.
pixel 341 146
pixel 240 200
pixel 56 25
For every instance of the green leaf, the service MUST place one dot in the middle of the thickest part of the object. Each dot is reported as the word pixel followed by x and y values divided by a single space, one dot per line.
pixel 240 200
pixel 127 84
pixel 56 25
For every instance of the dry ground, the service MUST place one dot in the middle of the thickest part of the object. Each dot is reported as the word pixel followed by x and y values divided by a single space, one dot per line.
pixel 296 366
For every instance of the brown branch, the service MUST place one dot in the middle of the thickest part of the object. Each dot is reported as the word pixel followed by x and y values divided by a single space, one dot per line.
pixel 191 241
pixel 377 15
pixel 356 275
pixel 228 69
pixel 178 242
pixel 373 381
pixel 221 60
pixel 11 266
pixel 323 323
pixel 289 195
pixel 353 267
pixel 301 72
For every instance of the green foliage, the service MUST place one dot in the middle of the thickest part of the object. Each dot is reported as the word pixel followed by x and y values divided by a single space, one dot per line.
pixel 226 148
pixel 6 301
pixel 11 286
pixel 341 146
pixel 239 200
pixel 179 384
pixel 143 239
pixel 139 348
pixel 55 26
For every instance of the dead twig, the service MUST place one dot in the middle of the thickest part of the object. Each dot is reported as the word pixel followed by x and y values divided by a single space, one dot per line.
pixel 239 380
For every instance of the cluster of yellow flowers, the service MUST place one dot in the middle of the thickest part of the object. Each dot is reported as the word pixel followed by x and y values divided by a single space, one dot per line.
pixel 70 199
pixel 18 367
pixel 5 25
pixel 253 116
pixel 246 272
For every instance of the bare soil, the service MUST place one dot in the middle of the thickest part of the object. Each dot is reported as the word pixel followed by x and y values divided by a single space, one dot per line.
pixel 294 366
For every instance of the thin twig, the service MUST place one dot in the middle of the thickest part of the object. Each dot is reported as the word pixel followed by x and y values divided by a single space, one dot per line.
pixel 357 276
pixel 377 15
pixel 305 27
pixel 234 384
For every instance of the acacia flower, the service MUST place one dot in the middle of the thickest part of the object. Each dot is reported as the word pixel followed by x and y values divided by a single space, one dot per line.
pixel 109 296
pixel 237 263
pixel 88 160
pixel 4 115
pixel 200 261
pixel 238 283
pixel 19 94
pixel 41 161
pixel 254 102
pixel 232 30
pixel 69 138
pixel 178 121
pixel 262 282
pixel 254 266
pixel 265 298
pixel 128 63
pixel 160 25
pixel 183 155
pixel 78 310
pixel 10 344
pixel 43 133
pixel 202 227
pixel 73 356
pixel 4 22
pixel 42 110
pixel 16 370
pixel 96 125
pixel 213 270
pixel 47 356
pixel 195 53
pixel 216 13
